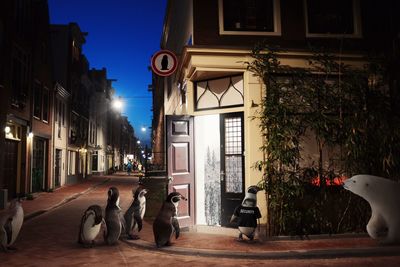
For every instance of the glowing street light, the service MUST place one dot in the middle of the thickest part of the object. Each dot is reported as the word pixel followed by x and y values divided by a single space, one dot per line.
pixel 138 141
pixel 143 129
pixel 117 104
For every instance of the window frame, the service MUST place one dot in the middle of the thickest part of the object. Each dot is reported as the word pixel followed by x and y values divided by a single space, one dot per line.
pixel 356 24
pixel 45 91
pixel 277 22
pixel 37 102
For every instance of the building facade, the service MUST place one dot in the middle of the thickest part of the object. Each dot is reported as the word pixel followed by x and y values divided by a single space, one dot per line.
pixel 56 118
pixel 204 117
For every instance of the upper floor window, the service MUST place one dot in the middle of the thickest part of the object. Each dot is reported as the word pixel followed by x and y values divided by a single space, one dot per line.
pixel 333 18
pixel 37 100
pixel 40 102
pixel 45 106
pixel 249 17
pixel 21 62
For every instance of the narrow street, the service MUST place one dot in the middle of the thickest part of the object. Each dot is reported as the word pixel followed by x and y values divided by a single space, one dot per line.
pixel 50 239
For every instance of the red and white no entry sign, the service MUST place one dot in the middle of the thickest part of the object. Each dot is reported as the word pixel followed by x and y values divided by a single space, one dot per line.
pixel 164 63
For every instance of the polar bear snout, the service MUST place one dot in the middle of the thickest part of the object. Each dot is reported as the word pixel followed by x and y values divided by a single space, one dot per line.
pixel 348 183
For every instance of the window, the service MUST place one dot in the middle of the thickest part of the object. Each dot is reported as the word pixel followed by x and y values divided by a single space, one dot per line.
pixel 20 76
pixel 63 113
pixel 332 18
pixel 45 102
pixel 219 93
pixel 40 102
pixel 37 100
pixel 249 17
pixel 71 162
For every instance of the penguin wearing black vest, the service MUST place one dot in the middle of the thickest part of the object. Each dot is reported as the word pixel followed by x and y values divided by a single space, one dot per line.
pixel 90 225
pixel 166 223
pixel 247 214
pixel 11 221
pixel 135 213
pixel 114 223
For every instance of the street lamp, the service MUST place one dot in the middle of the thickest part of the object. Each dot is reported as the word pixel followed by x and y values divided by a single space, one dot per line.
pixel 138 141
pixel 117 104
pixel 143 129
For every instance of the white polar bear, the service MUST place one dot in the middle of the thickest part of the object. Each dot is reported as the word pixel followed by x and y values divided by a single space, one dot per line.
pixel 383 196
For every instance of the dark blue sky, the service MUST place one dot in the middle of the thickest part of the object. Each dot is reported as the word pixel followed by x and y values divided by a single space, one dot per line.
pixel 123 35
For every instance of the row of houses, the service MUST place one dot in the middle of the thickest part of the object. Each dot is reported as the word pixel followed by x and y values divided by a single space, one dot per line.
pixel 202 113
pixel 56 117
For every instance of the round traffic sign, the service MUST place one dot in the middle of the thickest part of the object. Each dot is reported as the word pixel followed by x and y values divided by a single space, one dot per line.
pixel 164 63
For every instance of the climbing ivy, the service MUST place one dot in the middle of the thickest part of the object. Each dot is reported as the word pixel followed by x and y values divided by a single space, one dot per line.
pixel 344 110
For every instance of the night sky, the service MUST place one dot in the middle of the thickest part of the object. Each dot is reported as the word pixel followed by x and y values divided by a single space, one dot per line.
pixel 123 35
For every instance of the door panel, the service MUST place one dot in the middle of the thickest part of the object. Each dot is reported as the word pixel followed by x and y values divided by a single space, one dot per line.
pixel 180 162
pixel 57 168
pixel 232 164
pixel 10 167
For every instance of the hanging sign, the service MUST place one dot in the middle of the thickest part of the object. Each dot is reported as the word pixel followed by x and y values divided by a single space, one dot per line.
pixel 164 63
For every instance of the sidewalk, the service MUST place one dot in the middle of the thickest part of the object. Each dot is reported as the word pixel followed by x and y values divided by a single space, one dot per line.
pixel 221 242
pixel 46 201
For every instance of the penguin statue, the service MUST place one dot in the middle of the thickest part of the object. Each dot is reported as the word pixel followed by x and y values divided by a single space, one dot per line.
pixel 114 223
pixel 90 225
pixel 166 223
pixel 134 215
pixel 11 221
pixel 247 214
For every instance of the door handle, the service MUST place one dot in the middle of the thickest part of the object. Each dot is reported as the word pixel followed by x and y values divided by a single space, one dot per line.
pixel 170 179
pixel 222 176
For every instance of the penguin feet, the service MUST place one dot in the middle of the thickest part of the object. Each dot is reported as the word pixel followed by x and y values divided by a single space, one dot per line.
pixel 240 237
pixel 251 238
pixel 133 237
pixel 8 249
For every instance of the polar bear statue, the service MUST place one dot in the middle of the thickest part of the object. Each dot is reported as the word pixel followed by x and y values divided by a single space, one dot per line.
pixel 383 195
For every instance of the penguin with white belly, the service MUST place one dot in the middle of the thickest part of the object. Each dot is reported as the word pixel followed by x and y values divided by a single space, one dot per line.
pixel 11 221
pixel 135 213
pixel 113 220
pixel 247 214
pixel 166 223
pixel 90 225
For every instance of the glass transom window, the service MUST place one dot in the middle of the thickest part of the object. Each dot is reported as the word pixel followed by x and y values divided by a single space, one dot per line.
pixel 219 93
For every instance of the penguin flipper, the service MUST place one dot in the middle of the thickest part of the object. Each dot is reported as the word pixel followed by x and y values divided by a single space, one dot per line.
pixel 175 225
pixel 8 230
pixel 139 221
pixel 233 218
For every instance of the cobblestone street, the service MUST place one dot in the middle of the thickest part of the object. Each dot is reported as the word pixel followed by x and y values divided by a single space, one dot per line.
pixel 49 238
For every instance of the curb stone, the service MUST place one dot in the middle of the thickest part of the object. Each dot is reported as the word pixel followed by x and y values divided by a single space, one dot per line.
pixel 272 255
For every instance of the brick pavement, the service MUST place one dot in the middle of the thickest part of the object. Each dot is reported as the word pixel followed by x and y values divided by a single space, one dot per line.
pixel 215 245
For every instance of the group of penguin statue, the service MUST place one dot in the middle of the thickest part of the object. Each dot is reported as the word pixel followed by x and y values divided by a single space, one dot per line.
pixel 11 220
pixel 115 225
pixel 165 225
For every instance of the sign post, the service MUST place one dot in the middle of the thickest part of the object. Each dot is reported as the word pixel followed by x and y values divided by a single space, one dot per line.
pixel 164 63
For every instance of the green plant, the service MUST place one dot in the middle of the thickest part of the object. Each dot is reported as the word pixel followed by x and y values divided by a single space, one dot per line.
pixel 343 111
